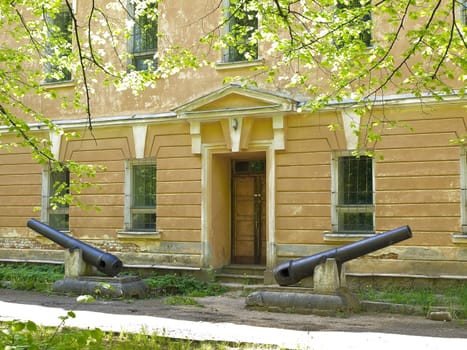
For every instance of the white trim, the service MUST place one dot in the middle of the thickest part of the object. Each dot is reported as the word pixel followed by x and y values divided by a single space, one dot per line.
pixel 399 100
pixel 195 133
pixel 351 122
pixel 55 140
pixel 206 168
pixel 271 248
pixel 103 122
pixel 127 195
pixel 278 130
pixel 139 137
pixel 45 190
pixel 235 127
pixel 239 64
pixel 271 102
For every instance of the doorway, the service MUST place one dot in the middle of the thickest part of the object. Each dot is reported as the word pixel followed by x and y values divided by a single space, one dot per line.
pixel 248 212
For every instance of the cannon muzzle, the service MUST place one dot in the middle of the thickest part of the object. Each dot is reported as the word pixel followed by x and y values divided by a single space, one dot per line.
pixel 104 262
pixel 294 271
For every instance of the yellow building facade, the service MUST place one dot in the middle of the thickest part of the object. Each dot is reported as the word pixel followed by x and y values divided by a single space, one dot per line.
pixel 243 175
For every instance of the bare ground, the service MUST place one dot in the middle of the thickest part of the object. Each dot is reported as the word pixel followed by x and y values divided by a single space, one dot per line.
pixel 230 307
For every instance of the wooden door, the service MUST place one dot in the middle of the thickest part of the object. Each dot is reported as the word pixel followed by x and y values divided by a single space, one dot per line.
pixel 248 226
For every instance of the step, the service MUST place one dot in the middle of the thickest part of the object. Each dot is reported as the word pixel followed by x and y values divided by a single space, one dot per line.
pixel 242 274
pixel 257 270
pixel 239 278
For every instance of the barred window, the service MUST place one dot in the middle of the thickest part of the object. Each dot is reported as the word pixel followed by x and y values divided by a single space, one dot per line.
pixel 55 211
pixel 354 207
pixel 463 11
pixel 59 31
pixel 362 11
pixel 143 43
pixel 141 195
pixel 241 23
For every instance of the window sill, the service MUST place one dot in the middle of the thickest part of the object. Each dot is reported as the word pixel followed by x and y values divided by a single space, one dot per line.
pixel 58 84
pixel 345 237
pixel 156 235
pixel 459 238
pixel 239 64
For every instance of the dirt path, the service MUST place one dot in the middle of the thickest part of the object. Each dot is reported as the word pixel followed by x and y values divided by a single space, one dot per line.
pixel 230 307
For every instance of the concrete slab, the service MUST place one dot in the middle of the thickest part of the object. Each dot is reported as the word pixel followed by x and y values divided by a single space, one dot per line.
pixel 283 338
pixel 112 287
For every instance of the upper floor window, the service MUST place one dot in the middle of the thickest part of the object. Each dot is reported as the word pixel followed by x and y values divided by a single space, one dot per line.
pixel 358 14
pixel 55 186
pixel 241 23
pixel 140 195
pixel 58 46
pixel 143 40
pixel 463 11
pixel 353 194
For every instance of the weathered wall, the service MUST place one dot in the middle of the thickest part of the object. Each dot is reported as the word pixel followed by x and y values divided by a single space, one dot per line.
pixel 417 183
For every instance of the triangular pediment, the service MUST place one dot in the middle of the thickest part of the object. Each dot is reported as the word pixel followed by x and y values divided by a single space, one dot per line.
pixel 233 100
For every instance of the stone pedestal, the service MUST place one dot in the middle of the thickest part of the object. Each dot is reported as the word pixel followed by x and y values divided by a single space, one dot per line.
pixel 328 277
pixel 75 266
pixel 330 294
pixel 81 278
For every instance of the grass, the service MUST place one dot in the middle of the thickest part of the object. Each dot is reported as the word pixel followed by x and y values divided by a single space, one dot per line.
pixel 28 335
pixel 452 298
pixel 30 276
pixel 176 290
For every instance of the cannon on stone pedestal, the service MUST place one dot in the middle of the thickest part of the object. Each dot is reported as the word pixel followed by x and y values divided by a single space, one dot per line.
pixel 105 262
pixel 293 271
pixel 330 293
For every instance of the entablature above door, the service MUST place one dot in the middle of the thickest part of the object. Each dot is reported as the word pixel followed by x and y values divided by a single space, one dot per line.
pixel 236 109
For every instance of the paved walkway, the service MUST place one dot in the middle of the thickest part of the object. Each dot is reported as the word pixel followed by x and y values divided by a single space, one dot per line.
pixel 283 338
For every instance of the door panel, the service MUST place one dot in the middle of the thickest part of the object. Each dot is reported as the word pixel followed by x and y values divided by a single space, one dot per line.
pixel 248 226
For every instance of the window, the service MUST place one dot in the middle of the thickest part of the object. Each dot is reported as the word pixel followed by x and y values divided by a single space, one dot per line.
pixel 464 189
pixel 240 25
pixel 55 212
pixel 358 13
pixel 143 41
pixel 58 46
pixel 140 196
pixel 463 11
pixel 353 194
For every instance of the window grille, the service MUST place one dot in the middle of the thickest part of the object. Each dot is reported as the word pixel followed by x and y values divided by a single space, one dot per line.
pixel 143 45
pixel 57 184
pixel 142 195
pixel 241 24
pixel 355 209
pixel 59 30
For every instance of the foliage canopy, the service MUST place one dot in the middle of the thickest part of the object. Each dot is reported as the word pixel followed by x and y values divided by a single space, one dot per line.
pixel 324 50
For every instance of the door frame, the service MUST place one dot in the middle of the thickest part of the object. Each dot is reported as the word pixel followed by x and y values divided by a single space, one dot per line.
pixel 209 252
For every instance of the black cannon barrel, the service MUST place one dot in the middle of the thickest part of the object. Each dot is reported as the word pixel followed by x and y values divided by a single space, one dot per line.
pixel 293 271
pixel 104 262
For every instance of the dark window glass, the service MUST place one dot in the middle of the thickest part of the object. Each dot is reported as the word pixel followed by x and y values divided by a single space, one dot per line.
pixel 59 28
pixel 249 166
pixel 143 197
pixel 242 23
pixel 355 194
pixel 356 180
pixel 362 20
pixel 59 183
pixel 144 43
